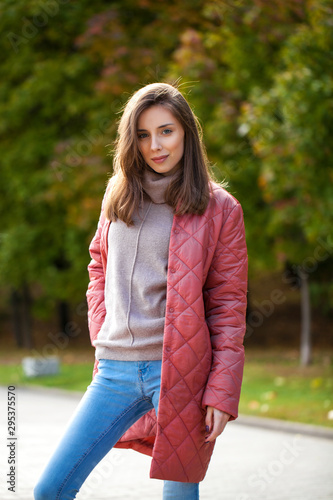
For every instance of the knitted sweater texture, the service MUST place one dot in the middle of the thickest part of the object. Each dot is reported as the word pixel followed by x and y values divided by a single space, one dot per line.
pixel 136 278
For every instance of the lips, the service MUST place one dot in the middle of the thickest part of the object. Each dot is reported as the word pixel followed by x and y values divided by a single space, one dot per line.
pixel 160 159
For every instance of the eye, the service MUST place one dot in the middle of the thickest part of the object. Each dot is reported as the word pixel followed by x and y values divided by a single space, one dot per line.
pixel 143 135
pixel 167 131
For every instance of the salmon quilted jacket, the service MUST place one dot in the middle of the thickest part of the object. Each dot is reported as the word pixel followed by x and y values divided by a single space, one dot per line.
pixel 203 353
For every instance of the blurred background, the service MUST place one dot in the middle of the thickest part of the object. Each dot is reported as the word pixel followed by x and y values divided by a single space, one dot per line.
pixel 259 75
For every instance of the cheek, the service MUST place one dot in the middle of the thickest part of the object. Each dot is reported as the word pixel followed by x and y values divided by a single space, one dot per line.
pixel 143 149
pixel 181 147
pixel 178 146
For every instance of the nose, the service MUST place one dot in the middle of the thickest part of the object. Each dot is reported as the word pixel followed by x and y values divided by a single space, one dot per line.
pixel 155 144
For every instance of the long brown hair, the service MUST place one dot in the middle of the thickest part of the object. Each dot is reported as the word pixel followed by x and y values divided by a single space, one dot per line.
pixel 189 191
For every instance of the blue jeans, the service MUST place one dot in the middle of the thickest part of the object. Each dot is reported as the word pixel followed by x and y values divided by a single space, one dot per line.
pixel 121 392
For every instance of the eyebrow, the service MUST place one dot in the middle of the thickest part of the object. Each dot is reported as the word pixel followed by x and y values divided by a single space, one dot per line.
pixel 161 126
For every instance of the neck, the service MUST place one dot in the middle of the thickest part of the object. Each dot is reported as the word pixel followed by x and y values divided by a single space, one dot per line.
pixel 155 185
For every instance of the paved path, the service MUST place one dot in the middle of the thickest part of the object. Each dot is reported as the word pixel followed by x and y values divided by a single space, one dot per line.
pixel 249 462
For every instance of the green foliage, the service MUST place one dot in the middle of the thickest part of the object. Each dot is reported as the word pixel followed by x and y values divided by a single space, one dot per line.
pixel 296 171
pixel 265 95
pixel 65 69
pixel 258 74
pixel 236 52
pixel 46 89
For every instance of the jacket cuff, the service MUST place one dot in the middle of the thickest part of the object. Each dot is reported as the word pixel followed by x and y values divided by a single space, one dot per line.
pixel 231 409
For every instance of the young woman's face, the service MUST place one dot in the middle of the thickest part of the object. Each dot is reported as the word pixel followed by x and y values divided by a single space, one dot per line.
pixel 160 139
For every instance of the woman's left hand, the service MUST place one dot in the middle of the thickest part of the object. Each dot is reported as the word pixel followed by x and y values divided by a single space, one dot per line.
pixel 216 420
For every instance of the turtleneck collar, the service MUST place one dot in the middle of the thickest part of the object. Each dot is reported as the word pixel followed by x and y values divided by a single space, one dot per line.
pixel 155 185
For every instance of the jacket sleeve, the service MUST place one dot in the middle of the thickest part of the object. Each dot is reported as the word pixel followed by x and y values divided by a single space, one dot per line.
pixel 225 306
pixel 95 292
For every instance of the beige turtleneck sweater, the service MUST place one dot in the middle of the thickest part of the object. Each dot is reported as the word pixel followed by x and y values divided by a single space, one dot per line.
pixel 136 279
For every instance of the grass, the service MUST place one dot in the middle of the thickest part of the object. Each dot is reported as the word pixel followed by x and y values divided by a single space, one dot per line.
pixel 73 377
pixel 278 387
pixel 274 385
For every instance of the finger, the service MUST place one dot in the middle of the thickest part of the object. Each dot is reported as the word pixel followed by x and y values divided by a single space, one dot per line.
pixel 220 420
pixel 213 434
pixel 209 419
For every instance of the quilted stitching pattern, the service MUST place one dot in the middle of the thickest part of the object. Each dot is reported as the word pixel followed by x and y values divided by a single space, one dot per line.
pixel 204 328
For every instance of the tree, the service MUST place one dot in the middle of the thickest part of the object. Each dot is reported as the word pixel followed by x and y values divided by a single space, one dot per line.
pixel 236 50
pixel 258 75
pixel 47 96
pixel 63 68
pixel 265 69
pixel 297 162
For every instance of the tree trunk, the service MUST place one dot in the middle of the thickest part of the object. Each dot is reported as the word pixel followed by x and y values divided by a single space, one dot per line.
pixel 305 348
pixel 63 313
pixel 21 317
pixel 15 301
pixel 26 317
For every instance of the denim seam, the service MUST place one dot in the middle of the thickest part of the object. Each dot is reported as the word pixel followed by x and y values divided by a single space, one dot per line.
pixel 140 377
pixel 83 457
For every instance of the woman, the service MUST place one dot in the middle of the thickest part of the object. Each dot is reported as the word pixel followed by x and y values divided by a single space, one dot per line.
pixel 166 301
